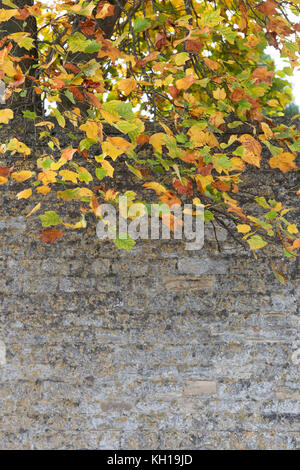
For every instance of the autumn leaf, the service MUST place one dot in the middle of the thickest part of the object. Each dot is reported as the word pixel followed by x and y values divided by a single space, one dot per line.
pixel 170 199
pixel 43 190
pixel 6 115
pixel 50 235
pixel 35 209
pixel 24 194
pixel 243 228
pixel 266 130
pixel 22 175
pixel 68 153
pixel 282 278
pixel 284 161
pixel 68 175
pixel 104 10
pixel 157 187
pixel 127 85
pixel 186 82
pixel 256 242
pixel 219 94
pixel 5 172
pixel 3 180
pixel 252 147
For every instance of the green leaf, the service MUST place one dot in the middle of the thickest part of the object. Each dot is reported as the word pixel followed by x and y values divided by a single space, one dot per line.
pixel 50 218
pixel 101 173
pixel 124 243
pixel 256 242
pixel 208 216
pixel 70 96
pixel 29 114
pixel 141 24
pixel 93 46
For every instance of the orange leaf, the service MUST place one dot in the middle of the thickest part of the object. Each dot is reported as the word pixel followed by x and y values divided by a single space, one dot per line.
pixel 253 149
pixel 186 82
pixel 50 235
pixel 170 199
pixel 104 9
pixel 68 153
pixel 5 171
pixel 284 161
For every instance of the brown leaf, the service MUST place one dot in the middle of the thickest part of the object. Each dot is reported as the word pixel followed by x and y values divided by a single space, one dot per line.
pixel 6 171
pixel 186 188
pixel 50 235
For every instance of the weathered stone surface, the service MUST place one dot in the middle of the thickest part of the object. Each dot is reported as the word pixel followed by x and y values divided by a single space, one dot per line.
pixel 157 348
pixel 199 387
pixel 204 265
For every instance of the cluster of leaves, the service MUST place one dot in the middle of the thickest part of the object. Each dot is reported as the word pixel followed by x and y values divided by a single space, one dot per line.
pixel 195 66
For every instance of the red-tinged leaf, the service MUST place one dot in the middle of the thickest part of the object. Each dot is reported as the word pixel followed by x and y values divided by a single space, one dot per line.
pixel 170 199
pixel 23 14
pixel 193 46
pixel 220 185
pixel 104 9
pixel 50 235
pixel 142 139
pixel 72 68
pixel 186 188
pixel 92 99
pixel 76 92
pixel 87 27
pixel 6 171
pixel 174 92
pixel 205 170
pixel 279 275
pixel 161 40
pixel 262 74
pixel 268 8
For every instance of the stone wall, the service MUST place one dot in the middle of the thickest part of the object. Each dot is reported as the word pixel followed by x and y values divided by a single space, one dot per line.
pixel 157 348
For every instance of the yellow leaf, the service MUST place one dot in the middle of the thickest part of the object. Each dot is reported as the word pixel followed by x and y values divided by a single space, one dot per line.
pixel 158 188
pixel 57 165
pixel 127 85
pixel 3 180
pixel 216 119
pixel 68 175
pixel 273 103
pixel 22 175
pixel 49 124
pixel 292 228
pixel 266 130
pixel 47 176
pixel 91 129
pixel 43 190
pixel 107 166
pixel 204 180
pixel 219 94
pixel 109 149
pixel 6 15
pixel 243 228
pixel 16 146
pixel 6 115
pixel 36 208
pixel 110 117
pixel 24 194
pixel 120 142
pixel 284 161
pixel 157 141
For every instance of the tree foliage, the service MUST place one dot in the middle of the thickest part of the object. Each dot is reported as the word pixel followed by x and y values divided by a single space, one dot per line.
pixel 196 67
